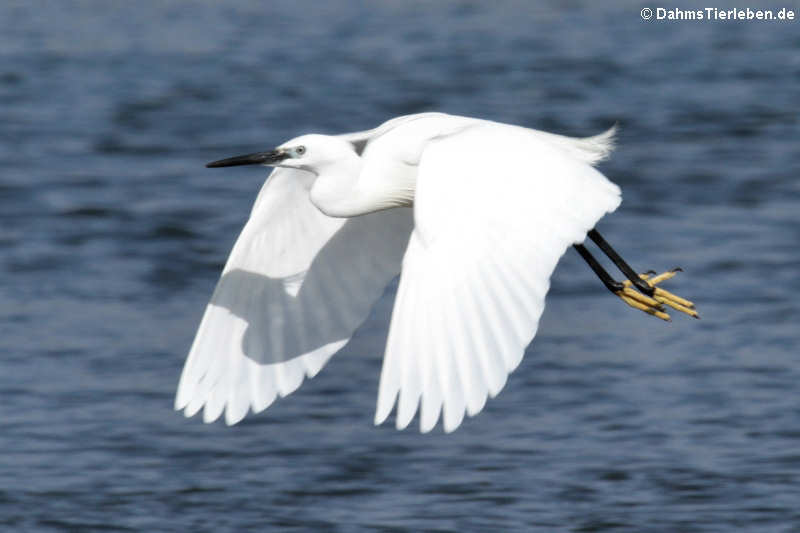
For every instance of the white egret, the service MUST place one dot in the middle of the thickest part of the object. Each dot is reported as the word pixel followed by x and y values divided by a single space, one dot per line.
pixel 473 214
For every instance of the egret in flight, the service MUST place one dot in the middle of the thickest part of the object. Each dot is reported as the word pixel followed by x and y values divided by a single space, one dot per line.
pixel 473 215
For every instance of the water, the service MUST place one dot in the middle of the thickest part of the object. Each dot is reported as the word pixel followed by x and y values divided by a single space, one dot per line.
pixel 112 235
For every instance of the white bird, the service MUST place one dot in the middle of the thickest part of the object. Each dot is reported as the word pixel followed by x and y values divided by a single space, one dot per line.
pixel 473 214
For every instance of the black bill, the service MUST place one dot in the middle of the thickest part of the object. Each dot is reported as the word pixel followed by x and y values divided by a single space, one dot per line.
pixel 259 158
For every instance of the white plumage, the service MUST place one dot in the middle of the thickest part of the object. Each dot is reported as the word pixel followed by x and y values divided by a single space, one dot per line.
pixel 494 208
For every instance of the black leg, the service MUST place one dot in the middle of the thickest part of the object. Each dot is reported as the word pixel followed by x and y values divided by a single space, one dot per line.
pixel 610 283
pixel 640 284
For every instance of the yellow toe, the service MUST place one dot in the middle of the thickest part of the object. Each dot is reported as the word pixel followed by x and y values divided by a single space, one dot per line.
pixel 636 303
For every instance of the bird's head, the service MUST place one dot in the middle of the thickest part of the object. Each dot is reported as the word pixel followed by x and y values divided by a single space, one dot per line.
pixel 307 152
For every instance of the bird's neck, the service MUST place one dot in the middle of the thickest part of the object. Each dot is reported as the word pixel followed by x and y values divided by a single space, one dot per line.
pixel 342 192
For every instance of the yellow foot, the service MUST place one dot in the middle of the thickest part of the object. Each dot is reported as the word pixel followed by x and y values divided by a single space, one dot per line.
pixel 642 302
pixel 662 296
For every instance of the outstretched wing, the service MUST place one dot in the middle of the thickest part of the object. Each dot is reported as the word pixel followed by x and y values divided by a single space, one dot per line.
pixel 495 208
pixel 295 287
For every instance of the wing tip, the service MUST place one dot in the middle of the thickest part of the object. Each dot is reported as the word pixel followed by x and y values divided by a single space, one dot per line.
pixel 209 416
pixel 231 418
pixel 179 403
pixel 402 420
pixel 379 418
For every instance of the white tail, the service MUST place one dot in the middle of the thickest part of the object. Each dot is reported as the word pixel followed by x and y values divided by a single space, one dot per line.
pixel 591 150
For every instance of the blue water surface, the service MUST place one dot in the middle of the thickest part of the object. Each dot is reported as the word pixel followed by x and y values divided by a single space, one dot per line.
pixel 112 236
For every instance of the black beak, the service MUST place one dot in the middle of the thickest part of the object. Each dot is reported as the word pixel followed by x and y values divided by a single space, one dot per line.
pixel 259 158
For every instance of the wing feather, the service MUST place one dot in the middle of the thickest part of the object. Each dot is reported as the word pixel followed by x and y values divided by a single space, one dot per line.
pixel 432 388
pixel 409 359
pixel 296 286
pixel 495 208
pixel 454 402
pixel 487 343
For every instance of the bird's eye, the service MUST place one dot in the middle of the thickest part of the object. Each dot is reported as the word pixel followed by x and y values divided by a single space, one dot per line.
pixel 300 150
